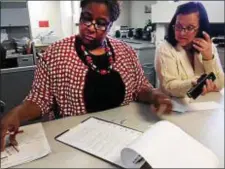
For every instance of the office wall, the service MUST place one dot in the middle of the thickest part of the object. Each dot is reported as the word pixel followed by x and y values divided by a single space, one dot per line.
pixel 124 19
pixel 215 10
pixel 45 10
pixel 163 11
pixel 76 15
pixel 137 14
pixel 66 18
pixel 64 15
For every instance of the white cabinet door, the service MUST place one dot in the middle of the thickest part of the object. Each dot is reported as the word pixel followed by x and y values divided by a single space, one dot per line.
pixel 15 17
pixel 221 55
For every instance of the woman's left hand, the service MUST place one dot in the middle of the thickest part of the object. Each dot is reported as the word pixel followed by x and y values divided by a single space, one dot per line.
pixel 204 46
pixel 209 87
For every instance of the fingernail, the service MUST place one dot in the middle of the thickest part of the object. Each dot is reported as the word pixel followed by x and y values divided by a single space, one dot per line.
pixel 203 32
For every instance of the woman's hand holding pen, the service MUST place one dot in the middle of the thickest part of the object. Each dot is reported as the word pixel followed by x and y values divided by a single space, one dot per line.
pixel 9 126
pixel 10 122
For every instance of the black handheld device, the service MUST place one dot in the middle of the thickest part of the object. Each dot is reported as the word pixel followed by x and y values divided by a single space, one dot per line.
pixel 196 90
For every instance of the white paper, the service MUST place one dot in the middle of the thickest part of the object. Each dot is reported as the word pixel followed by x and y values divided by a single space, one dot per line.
pixel 199 106
pixel 178 106
pixel 32 144
pixel 165 145
pixel 182 107
pixel 100 138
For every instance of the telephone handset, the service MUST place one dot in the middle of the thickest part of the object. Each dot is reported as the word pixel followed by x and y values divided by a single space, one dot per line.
pixel 199 35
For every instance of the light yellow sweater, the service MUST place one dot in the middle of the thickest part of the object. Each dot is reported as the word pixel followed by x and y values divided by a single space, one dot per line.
pixel 175 73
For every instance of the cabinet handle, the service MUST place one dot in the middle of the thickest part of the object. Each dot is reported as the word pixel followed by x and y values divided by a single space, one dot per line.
pixel 25 59
pixel 2 106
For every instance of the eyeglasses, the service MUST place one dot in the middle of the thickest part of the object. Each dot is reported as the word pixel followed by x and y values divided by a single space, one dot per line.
pixel 99 24
pixel 189 29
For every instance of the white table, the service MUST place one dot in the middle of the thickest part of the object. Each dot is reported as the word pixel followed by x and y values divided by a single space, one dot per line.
pixel 207 127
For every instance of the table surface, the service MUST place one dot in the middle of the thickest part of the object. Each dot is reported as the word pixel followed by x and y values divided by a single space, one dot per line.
pixel 206 126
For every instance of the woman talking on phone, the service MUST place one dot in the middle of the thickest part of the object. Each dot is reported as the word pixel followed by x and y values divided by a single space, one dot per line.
pixel 188 52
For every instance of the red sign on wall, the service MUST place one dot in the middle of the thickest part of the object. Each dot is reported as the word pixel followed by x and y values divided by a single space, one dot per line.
pixel 43 24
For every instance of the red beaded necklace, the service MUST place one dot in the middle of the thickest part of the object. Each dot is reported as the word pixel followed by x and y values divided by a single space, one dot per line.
pixel 90 63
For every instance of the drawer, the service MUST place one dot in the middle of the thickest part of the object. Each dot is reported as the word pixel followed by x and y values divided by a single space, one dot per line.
pixel 25 61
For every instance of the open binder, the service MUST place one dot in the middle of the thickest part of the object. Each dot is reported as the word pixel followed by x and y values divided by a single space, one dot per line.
pixel 163 145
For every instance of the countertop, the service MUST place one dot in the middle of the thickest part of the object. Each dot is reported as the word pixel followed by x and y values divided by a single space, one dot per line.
pixel 138 44
pixel 206 126
pixel 18 69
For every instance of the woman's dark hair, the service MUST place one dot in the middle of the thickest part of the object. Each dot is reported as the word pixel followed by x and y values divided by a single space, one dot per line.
pixel 188 8
pixel 113 6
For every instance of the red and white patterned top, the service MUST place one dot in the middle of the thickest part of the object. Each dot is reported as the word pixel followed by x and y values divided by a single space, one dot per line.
pixel 60 73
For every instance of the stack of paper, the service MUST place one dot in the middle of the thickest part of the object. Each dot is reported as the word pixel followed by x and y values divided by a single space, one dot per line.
pixel 32 144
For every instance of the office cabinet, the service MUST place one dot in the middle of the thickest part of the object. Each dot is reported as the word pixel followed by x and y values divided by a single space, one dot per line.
pixel 15 85
pixel 14 17
pixel 25 60
pixel 146 55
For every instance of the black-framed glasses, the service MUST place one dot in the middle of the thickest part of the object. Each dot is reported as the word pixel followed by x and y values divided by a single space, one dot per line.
pixel 189 29
pixel 99 24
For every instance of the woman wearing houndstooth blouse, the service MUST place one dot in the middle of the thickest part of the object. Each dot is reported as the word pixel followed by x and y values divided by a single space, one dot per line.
pixel 85 73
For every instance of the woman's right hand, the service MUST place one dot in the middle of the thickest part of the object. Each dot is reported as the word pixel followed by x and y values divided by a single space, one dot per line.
pixel 9 125
pixel 11 121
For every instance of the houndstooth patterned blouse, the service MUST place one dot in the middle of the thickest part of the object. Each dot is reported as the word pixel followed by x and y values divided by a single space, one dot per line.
pixel 60 74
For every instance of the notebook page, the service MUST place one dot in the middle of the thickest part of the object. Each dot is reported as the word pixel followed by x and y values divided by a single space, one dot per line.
pixel 32 144
pixel 100 138
pixel 164 145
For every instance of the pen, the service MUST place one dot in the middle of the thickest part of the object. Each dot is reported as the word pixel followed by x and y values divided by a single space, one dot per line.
pixel 14 133
pixel 138 159
pixel 14 147
pixel 3 157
